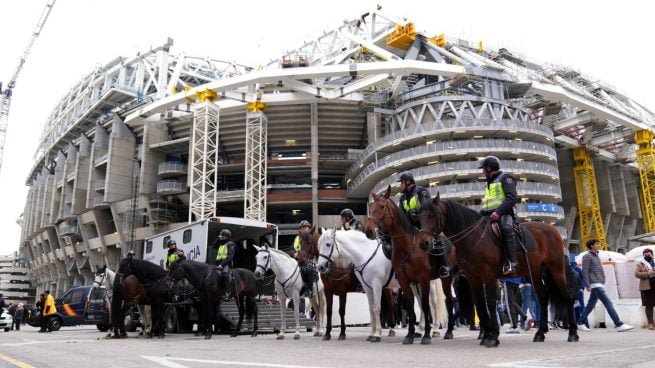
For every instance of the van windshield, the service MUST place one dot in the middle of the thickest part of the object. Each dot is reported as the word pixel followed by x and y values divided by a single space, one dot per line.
pixel 98 293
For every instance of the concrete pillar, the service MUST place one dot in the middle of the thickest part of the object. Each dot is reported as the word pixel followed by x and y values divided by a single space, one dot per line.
pixel 373 126
pixel 314 160
pixel 81 183
pixel 150 158
pixel 56 191
pixel 120 164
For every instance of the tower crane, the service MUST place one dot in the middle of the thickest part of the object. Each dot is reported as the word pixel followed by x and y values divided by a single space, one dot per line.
pixel 6 93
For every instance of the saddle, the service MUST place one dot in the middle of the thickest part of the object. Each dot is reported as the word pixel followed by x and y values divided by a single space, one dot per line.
pixel 524 239
pixel 387 248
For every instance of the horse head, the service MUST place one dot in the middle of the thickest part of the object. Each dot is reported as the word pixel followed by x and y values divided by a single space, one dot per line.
pixel 327 243
pixel 176 271
pixel 308 249
pixel 432 221
pixel 381 213
pixel 263 259
pixel 100 277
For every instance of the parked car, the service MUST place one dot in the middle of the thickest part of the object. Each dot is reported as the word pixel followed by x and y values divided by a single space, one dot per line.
pixel 5 320
pixel 97 309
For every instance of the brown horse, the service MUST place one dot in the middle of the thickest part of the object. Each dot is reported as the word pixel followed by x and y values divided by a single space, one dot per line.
pixel 338 281
pixel 413 267
pixel 480 257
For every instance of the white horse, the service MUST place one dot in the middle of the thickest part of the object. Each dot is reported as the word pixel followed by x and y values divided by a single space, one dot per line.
pixel 288 284
pixel 373 270
pixel 105 276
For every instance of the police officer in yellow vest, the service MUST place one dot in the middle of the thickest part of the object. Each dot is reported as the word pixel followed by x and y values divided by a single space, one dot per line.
pixel 224 258
pixel 307 272
pixel 499 199
pixel 349 222
pixel 172 253
pixel 410 201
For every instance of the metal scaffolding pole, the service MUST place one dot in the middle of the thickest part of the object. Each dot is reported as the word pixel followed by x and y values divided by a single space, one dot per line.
pixel 646 163
pixel 591 221
pixel 254 203
pixel 204 156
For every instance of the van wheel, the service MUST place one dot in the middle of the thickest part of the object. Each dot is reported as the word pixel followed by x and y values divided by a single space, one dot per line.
pixel 102 328
pixel 170 320
pixel 6 330
pixel 55 323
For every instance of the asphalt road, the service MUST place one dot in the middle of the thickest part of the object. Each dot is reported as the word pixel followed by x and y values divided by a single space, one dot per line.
pixel 86 347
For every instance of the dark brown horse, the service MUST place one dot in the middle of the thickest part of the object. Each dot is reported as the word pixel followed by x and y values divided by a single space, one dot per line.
pixel 338 281
pixel 480 257
pixel 211 283
pixel 413 266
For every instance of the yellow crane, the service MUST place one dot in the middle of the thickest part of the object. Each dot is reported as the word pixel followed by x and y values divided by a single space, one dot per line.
pixel 7 92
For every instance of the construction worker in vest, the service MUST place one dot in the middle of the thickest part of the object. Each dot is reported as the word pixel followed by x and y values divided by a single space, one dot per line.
pixel 224 258
pixel 410 201
pixel 172 253
pixel 349 222
pixel 498 203
pixel 307 271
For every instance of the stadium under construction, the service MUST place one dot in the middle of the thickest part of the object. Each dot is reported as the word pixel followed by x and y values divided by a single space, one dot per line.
pixel 152 141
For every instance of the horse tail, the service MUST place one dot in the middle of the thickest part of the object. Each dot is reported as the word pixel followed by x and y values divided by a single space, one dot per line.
pixel 440 309
pixel 116 312
pixel 464 297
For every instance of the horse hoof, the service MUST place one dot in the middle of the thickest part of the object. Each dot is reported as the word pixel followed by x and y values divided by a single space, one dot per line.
pixel 280 337
pixel 254 334
pixel 376 339
pixel 342 337
pixel 481 336
pixel 148 336
pixel 483 341
pixel 318 334
pixel 492 343
pixel 448 336
pixel 296 337
pixel 392 333
pixel 573 338
pixel 426 341
pixel 327 337
pixel 234 334
pixel 408 340
pixel 369 338
pixel 539 338
pixel 208 337
pixel 417 335
pixel 436 333
pixel 197 334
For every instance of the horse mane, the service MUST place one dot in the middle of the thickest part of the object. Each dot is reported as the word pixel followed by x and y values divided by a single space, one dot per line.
pixel 145 271
pixel 404 220
pixel 282 253
pixel 460 215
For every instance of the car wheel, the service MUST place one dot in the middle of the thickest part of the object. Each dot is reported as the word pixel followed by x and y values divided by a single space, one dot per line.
pixel 6 330
pixel 55 324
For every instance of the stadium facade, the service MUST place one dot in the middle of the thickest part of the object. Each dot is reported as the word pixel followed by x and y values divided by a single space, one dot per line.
pixel 149 142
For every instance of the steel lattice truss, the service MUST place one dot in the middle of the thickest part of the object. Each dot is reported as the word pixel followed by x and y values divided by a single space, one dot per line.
pixel 204 158
pixel 255 183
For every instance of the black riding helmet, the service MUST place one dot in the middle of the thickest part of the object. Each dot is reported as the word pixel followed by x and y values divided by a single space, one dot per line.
pixel 171 242
pixel 304 223
pixel 491 162
pixel 131 253
pixel 225 233
pixel 347 213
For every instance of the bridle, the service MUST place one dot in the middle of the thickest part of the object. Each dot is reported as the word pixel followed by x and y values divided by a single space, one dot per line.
pixel 378 221
pixel 332 247
pixel 102 280
pixel 285 283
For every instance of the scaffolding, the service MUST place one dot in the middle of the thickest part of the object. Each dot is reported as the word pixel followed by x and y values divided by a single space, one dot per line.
pixel 646 164
pixel 204 156
pixel 254 204
pixel 591 221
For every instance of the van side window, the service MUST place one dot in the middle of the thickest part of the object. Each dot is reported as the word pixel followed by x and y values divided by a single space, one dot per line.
pixel 149 246
pixel 166 238
pixel 77 296
pixel 67 298
pixel 186 236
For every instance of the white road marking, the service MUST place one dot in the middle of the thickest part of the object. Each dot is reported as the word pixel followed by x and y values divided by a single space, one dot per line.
pixel 169 362
pixel 34 342
pixel 540 363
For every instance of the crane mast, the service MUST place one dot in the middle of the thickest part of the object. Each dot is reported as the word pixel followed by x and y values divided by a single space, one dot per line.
pixel 6 93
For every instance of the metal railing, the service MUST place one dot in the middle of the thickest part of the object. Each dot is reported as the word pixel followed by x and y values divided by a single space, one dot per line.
pixel 170 186
pixel 101 185
pixel 476 190
pixel 172 167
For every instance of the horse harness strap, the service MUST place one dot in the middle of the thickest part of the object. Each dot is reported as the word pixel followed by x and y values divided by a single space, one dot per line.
pixel 361 267
pixel 284 284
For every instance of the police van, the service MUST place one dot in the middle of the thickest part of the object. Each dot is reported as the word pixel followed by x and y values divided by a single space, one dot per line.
pixel 195 240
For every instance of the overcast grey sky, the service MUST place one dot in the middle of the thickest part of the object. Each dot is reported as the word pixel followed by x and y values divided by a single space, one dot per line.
pixel 608 40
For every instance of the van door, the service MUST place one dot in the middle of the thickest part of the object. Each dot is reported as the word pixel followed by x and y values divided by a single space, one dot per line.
pixel 71 306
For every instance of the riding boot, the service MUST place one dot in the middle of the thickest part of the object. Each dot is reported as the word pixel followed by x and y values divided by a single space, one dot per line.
pixel 438 247
pixel 509 241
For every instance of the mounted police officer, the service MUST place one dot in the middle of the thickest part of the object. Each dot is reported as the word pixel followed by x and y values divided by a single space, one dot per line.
pixel 499 199
pixel 131 254
pixel 349 222
pixel 307 271
pixel 410 201
pixel 224 258
pixel 172 253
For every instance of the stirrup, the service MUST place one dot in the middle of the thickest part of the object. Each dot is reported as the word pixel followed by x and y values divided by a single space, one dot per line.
pixel 444 271
pixel 509 268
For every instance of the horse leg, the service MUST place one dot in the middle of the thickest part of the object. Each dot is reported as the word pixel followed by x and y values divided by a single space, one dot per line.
pixel 492 322
pixel 376 308
pixel 371 302
pixel 446 283
pixel 483 313
pixel 387 294
pixel 542 295
pixel 210 307
pixel 425 306
pixel 408 299
pixel 329 297
pixel 296 306
pixel 255 311
pixel 283 316
pixel 242 311
pixel 315 302
pixel 342 314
